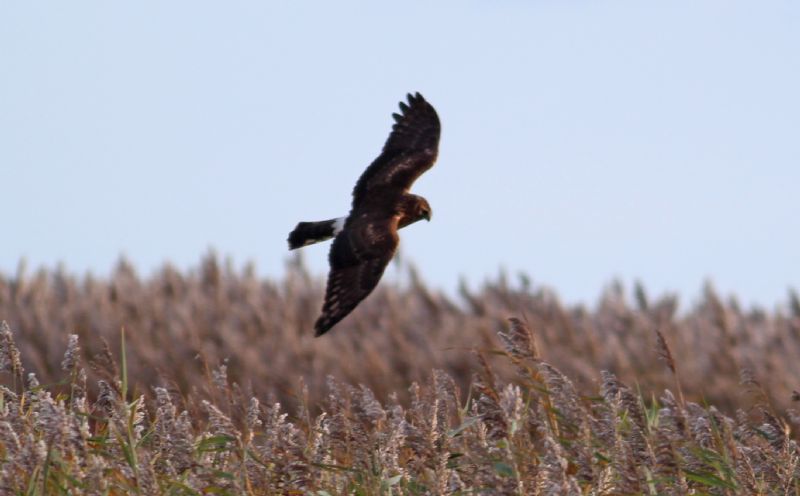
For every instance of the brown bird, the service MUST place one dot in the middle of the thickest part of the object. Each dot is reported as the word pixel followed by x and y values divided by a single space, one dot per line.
pixel 366 240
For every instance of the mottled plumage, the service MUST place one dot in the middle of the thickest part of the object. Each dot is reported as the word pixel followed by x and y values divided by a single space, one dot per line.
pixel 367 239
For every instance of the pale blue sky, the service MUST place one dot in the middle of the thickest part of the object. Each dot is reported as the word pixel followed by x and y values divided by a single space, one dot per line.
pixel 581 141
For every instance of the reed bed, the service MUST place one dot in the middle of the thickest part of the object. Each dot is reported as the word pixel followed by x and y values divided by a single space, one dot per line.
pixel 182 325
pixel 210 382
pixel 536 435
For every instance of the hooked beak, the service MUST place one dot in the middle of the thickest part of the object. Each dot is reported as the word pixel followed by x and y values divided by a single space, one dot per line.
pixel 427 216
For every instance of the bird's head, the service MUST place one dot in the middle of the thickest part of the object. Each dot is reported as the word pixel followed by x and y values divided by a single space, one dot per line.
pixel 423 210
pixel 414 208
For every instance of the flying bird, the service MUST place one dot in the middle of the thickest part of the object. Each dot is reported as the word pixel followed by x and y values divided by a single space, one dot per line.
pixel 366 239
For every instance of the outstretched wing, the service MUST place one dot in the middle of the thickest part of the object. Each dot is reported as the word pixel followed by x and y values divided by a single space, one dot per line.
pixel 346 288
pixel 358 257
pixel 411 149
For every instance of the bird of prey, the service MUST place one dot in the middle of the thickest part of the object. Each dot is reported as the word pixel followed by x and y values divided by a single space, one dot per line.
pixel 366 239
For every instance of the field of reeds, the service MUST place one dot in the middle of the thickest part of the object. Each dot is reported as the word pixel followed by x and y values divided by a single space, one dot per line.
pixel 210 382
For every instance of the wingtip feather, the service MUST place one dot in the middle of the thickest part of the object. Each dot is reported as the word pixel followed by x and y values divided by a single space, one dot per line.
pixel 320 328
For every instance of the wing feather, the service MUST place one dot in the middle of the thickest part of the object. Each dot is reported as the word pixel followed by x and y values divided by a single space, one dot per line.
pixel 358 257
pixel 347 287
pixel 410 150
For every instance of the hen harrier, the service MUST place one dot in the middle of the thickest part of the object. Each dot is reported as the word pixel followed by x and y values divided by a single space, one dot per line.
pixel 366 239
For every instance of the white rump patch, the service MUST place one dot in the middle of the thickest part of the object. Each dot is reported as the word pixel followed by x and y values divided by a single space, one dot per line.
pixel 338 225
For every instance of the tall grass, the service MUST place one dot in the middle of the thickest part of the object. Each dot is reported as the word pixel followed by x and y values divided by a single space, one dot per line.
pixel 535 435
pixel 183 328
pixel 210 382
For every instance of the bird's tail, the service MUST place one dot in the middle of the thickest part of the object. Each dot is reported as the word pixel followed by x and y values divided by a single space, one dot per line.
pixel 308 233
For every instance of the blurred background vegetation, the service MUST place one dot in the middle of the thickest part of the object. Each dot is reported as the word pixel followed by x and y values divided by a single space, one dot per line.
pixel 181 327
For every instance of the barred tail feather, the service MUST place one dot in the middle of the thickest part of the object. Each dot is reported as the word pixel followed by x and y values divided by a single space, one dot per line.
pixel 307 233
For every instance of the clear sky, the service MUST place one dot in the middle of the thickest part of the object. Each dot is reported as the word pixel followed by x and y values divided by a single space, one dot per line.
pixel 581 141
